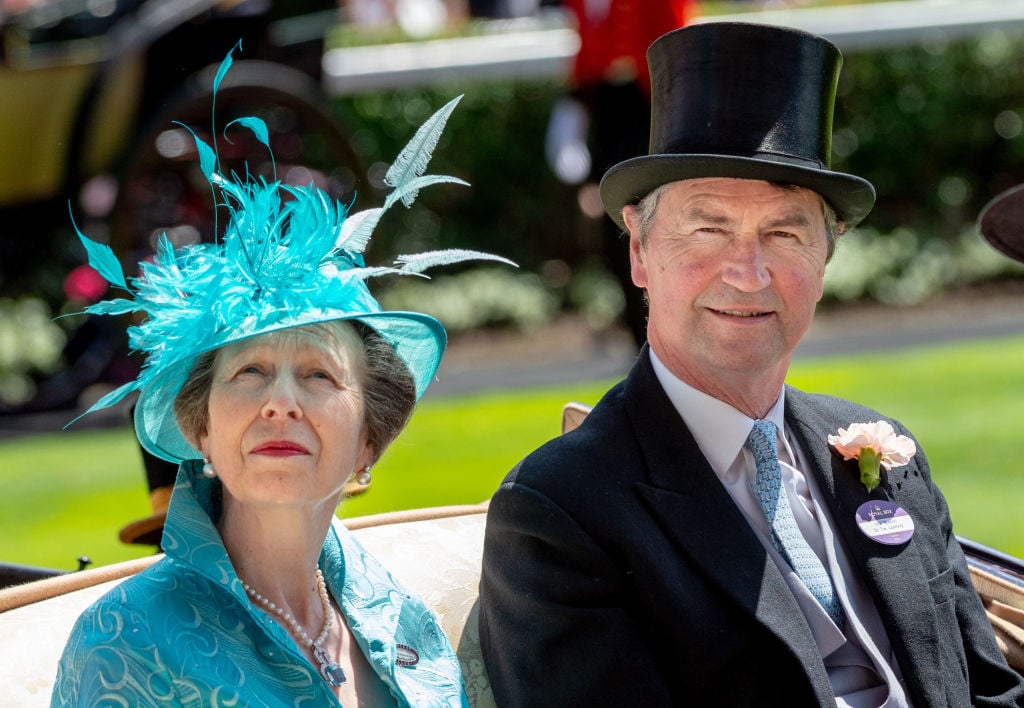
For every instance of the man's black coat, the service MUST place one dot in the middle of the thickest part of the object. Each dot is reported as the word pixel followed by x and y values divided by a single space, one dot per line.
pixel 618 571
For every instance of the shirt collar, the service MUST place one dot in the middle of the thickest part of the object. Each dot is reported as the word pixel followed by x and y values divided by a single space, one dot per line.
pixel 719 429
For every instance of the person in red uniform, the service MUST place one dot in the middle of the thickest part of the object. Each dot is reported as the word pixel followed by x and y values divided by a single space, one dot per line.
pixel 611 92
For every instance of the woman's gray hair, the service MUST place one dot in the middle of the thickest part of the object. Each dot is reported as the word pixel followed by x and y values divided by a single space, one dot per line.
pixel 389 391
pixel 646 208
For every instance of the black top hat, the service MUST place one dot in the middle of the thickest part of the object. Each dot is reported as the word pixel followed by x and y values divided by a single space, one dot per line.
pixel 1002 222
pixel 732 99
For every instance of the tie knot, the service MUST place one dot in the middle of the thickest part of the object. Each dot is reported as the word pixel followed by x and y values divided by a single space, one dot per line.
pixel 762 440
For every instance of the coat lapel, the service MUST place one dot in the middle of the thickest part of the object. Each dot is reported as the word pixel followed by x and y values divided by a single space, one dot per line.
pixel 697 514
pixel 894 575
pixel 372 610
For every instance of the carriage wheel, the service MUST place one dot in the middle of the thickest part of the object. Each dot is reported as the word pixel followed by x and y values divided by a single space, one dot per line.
pixel 162 187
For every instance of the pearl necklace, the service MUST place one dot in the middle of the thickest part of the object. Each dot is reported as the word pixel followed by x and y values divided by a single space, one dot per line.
pixel 329 669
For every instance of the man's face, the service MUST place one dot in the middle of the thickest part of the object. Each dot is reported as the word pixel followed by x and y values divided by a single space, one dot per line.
pixel 733 269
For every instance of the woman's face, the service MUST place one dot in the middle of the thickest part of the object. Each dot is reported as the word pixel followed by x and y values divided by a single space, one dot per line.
pixel 286 423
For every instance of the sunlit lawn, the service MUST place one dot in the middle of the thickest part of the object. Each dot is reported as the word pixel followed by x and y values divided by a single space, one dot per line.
pixel 66 494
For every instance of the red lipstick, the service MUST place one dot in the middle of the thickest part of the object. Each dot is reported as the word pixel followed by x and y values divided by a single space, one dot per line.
pixel 280 448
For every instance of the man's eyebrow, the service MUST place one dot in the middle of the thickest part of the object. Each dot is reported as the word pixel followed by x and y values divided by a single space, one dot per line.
pixel 794 218
pixel 790 219
pixel 700 214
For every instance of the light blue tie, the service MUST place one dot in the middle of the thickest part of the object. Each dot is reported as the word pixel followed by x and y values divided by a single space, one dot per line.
pixel 786 535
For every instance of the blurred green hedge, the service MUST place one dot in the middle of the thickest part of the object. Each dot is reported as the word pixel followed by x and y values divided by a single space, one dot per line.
pixel 936 127
pixel 494 140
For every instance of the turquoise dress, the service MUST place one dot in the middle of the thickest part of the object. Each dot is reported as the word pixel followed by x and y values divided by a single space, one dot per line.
pixel 184 633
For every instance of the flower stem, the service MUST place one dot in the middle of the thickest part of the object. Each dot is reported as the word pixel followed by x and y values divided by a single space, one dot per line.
pixel 869 468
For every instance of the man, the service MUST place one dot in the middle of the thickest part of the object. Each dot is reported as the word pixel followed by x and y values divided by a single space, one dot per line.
pixel 698 540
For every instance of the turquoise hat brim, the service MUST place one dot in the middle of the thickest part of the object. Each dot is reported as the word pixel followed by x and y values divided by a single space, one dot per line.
pixel 419 340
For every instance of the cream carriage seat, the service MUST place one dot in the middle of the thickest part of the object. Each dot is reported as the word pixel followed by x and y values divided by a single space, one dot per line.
pixel 434 552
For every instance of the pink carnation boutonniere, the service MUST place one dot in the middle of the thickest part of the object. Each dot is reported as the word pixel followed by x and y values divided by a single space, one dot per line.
pixel 873 444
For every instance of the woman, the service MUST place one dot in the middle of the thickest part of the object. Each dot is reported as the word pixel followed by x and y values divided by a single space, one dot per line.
pixel 275 378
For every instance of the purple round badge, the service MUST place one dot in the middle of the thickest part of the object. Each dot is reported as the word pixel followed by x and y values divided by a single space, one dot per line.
pixel 885 522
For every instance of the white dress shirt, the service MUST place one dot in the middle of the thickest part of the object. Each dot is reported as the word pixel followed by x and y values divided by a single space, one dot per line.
pixel 861 667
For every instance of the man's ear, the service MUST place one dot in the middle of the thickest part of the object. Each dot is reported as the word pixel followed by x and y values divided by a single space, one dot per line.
pixel 637 260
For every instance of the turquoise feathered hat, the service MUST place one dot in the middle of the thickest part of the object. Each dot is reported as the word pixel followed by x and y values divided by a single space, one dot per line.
pixel 289 257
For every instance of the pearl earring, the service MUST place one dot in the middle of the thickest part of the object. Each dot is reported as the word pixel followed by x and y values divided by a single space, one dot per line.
pixel 363 477
pixel 208 470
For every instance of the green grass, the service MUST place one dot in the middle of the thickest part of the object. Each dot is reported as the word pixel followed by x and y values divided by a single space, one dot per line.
pixel 66 494
pixel 964 404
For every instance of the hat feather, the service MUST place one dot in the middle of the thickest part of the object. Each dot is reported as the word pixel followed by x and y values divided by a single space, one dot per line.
pixel 289 254
pixel 412 161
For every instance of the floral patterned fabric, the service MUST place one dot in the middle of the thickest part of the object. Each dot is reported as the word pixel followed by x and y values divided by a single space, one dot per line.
pixel 183 632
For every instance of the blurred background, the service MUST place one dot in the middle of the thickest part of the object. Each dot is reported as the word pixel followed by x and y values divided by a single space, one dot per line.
pixel 930 109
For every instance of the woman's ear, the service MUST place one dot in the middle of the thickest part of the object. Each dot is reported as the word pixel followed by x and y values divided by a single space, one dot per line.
pixel 367 457
pixel 359 481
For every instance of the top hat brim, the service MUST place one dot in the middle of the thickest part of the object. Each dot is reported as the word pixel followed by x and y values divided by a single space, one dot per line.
pixel 1002 222
pixel 144 532
pixel 149 530
pixel 631 180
